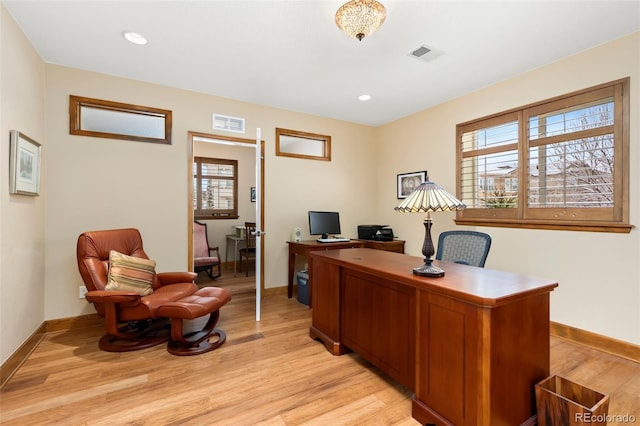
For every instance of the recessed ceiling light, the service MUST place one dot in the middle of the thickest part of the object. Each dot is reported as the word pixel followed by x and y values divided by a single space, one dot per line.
pixel 364 97
pixel 134 38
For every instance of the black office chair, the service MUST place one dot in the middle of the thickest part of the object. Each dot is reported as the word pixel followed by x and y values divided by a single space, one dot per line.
pixel 466 247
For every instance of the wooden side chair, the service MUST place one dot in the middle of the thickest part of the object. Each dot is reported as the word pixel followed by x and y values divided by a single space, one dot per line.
pixel 205 258
pixel 248 252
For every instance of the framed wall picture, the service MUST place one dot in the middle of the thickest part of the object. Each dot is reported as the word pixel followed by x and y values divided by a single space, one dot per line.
pixel 24 165
pixel 407 182
pixel 253 194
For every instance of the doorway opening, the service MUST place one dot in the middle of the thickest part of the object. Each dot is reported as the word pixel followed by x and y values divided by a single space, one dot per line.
pixel 223 230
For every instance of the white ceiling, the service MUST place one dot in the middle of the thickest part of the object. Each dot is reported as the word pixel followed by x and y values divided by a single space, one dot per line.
pixel 291 55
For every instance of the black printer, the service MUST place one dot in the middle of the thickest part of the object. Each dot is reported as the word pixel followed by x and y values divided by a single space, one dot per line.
pixel 375 232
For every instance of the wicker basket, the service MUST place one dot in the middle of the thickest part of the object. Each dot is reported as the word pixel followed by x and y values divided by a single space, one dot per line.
pixel 562 402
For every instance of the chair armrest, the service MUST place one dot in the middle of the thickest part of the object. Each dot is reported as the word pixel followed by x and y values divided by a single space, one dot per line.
pixel 216 250
pixel 176 277
pixel 106 296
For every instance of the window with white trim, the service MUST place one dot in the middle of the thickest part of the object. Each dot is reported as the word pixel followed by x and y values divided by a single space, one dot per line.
pixel 562 163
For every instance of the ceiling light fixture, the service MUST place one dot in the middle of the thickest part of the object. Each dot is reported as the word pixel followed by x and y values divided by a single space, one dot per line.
pixel 359 18
pixel 134 38
pixel 364 97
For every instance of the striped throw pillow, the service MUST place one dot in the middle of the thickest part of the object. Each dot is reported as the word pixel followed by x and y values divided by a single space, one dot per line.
pixel 129 273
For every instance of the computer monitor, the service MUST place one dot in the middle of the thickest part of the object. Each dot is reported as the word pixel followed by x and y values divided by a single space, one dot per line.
pixel 324 223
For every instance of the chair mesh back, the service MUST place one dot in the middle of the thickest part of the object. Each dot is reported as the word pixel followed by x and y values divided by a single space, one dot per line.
pixel 467 247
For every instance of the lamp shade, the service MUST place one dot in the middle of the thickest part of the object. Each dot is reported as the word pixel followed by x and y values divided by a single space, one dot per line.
pixel 359 18
pixel 429 197
pixel 426 198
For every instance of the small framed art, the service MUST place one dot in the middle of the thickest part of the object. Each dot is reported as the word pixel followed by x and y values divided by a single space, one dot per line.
pixel 24 165
pixel 253 194
pixel 408 182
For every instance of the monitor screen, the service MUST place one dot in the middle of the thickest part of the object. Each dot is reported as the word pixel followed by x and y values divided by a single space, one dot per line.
pixel 324 223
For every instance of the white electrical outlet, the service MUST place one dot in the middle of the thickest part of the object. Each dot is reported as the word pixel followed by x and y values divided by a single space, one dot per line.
pixel 81 291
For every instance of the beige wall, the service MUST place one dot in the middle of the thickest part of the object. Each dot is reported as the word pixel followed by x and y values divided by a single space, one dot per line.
pixel 598 273
pixel 22 217
pixel 102 183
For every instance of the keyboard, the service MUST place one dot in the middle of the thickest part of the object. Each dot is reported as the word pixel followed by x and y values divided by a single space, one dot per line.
pixel 333 240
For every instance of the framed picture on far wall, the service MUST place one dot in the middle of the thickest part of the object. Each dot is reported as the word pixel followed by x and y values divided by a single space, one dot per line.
pixel 407 182
pixel 24 165
pixel 253 194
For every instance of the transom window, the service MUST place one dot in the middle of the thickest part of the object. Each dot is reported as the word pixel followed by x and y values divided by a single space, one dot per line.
pixel 558 164
pixel 215 188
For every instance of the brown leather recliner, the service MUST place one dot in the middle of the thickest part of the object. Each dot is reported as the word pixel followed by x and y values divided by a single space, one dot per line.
pixel 135 322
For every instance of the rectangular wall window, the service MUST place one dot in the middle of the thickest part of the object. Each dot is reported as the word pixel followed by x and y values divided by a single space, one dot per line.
pixel 215 191
pixel 558 164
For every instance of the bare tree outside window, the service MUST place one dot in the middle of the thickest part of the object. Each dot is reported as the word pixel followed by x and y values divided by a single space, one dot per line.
pixel 578 172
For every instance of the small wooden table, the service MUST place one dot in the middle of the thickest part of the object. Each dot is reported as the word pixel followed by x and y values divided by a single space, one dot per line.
pixel 303 248
pixel 235 239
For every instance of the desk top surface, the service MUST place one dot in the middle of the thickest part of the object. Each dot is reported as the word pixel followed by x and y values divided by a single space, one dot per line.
pixel 483 286
pixel 319 244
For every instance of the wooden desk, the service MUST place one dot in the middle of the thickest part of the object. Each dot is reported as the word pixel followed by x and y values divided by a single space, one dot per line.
pixel 471 344
pixel 394 245
pixel 303 248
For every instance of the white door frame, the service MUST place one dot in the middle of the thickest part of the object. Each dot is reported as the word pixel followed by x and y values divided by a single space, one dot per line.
pixel 258 145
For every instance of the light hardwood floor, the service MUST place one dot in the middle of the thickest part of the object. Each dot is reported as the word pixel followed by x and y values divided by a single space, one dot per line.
pixel 267 373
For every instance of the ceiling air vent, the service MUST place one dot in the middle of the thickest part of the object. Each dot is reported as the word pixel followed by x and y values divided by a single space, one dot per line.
pixel 421 51
pixel 424 53
pixel 228 123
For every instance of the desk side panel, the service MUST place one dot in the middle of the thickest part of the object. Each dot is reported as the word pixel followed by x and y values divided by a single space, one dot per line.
pixel 324 284
pixel 520 357
pixel 478 366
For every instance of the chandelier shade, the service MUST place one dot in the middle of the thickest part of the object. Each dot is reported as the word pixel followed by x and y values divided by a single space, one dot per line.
pixel 359 18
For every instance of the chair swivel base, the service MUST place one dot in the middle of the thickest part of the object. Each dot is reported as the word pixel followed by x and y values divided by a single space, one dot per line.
pixel 197 342
pixel 179 348
pixel 207 300
pixel 156 333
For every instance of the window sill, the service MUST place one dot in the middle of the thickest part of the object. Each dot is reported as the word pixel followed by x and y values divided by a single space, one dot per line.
pixel 213 217
pixel 555 225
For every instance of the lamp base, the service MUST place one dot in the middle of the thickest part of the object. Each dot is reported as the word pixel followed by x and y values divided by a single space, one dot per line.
pixel 428 270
